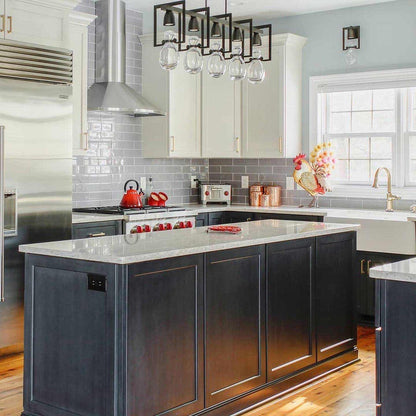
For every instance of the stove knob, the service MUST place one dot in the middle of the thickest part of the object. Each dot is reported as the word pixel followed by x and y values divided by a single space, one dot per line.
pixel 226 193
pixel 147 229
pixel 168 226
pixel 206 193
pixel 139 229
pixel 188 224
pixel 162 227
pixel 181 224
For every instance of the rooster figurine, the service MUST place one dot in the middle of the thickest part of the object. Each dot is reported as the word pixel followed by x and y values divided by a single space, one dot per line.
pixel 313 177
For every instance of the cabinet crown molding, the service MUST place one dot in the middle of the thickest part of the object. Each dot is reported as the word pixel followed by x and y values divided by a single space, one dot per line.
pixel 56 4
pixel 80 18
pixel 288 39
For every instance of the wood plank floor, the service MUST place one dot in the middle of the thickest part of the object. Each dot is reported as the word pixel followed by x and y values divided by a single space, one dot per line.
pixel 348 392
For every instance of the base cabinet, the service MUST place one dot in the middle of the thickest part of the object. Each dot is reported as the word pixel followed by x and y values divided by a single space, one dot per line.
pixel 207 334
pixel 235 317
pixel 335 293
pixel 165 338
pixel 395 348
pixel 365 285
pixel 290 319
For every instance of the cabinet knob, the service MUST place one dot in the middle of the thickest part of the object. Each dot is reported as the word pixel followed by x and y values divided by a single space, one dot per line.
pixel 3 22
pixel 10 18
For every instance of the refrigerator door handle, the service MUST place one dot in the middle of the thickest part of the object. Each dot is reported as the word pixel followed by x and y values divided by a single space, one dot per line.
pixel 1 213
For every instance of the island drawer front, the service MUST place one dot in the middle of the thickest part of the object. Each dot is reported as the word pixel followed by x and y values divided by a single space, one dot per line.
pixel 165 337
pixel 96 229
pixel 335 294
pixel 290 307
pixel 235 359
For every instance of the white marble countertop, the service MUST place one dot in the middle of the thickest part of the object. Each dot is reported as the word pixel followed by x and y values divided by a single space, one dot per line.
pixel 403 271
pixel 135 248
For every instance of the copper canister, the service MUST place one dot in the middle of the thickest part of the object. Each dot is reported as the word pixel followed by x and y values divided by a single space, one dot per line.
pixel 275 193
pixel 256 191
pixel 265 200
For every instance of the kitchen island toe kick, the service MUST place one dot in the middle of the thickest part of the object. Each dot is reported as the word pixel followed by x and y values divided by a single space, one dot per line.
pixel 188 322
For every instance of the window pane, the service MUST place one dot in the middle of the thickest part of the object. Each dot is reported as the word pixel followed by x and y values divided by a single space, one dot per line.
pixel 381 148
pixel 341 171
pixel 340 148
pixel 384 99
pixel 412 172
pixel 340 122
pixel 360 148
pixel 412 147
pixel 375 164
pixel 340 101
pixel 384 121
pixel 359 171
pixel 362 100
pixel 361 122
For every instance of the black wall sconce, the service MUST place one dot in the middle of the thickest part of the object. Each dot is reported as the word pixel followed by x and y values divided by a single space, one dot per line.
pixel 351 38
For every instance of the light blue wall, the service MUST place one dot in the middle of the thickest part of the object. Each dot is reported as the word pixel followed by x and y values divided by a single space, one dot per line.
pixel 388 40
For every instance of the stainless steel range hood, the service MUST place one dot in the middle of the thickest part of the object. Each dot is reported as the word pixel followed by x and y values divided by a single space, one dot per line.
pixel 110 93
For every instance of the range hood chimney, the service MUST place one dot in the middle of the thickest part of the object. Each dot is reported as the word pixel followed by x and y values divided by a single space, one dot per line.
pixel 110 93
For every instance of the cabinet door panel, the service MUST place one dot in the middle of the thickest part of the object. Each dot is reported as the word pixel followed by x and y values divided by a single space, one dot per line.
pixel 263 111
pixel 165 368
pixel 221 117
pixel 32 23
pixel 290 328
pixel 184 114
pixel 335 294
pixel 235 347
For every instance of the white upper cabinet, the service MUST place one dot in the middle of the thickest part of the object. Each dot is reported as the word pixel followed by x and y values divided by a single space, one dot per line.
pixel 78 42
pixel 178 94
pixel 34 21
pixel 271 111
pixel 221 116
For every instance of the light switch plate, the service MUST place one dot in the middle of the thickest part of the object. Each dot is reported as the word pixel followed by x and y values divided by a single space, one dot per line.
pixel 290 183
pixel 193 182
pixel 244 182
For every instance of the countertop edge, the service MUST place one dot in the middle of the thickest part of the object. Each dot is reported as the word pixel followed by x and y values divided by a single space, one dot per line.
pixel 189 251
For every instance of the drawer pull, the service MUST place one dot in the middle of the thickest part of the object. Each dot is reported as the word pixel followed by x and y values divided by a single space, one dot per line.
pixel 10 18
pixel 96 235
pixel 362 267
pixel 379 329
pixel 3 20
pixel 368 266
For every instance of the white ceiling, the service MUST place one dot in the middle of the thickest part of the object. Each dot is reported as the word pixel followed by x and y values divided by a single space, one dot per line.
pixel 257 8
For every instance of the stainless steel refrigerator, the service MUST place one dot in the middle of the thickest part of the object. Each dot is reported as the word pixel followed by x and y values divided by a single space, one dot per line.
pixel 36 185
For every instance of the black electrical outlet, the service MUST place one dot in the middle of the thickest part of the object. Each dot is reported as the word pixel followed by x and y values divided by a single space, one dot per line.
pixel 97 282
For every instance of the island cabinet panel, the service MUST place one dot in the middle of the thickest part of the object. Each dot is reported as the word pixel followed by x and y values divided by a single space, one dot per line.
pixel 396 348
pixel 290 320
pixel 235 316
pixel 69 332
pixel 165 337
pixel 335 294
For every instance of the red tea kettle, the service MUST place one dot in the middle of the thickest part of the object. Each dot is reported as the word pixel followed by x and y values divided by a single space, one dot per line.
pixel 132 198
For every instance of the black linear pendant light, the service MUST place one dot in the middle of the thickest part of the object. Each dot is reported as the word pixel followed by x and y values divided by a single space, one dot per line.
pixel 193 24
pixel 216 31
pixel 257 39
pixel 169 19
pixel 237 36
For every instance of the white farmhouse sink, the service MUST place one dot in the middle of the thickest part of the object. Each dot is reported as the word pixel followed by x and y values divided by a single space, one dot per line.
pixel 385 232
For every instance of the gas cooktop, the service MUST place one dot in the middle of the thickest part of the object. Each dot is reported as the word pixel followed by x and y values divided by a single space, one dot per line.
pixel 117 210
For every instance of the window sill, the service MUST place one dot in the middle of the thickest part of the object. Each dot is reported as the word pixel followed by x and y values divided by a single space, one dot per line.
pixel 368 192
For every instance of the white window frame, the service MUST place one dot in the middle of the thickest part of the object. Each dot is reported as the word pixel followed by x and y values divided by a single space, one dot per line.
pixel 398 78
